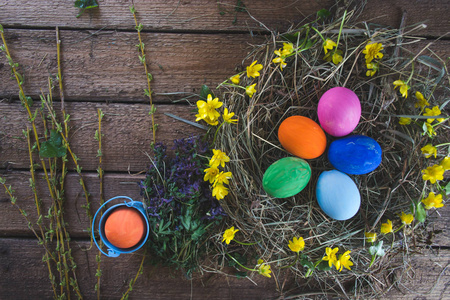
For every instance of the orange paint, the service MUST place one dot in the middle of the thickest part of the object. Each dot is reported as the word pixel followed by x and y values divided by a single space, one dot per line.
pixel 124 227
pixel 302 137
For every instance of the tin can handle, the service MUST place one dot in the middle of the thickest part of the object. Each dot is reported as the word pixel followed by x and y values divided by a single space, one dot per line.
pixel 111 252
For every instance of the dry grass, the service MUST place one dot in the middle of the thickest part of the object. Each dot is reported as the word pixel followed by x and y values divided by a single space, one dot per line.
pixel 253 146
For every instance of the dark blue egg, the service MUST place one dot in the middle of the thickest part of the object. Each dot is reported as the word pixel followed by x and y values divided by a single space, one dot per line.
pixel 356 154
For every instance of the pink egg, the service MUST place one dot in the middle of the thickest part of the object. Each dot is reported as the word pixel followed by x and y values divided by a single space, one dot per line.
pixel 339 111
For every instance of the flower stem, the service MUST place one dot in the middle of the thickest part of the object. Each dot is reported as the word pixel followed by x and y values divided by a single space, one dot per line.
pixel 295 261
pixel 245 244
pixel 318 32
pixel 340 29
pixel 253 270
pixel 372 260
pixel 215 134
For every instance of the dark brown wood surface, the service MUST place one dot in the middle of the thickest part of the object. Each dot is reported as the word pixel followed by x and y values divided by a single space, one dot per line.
pixel 189 43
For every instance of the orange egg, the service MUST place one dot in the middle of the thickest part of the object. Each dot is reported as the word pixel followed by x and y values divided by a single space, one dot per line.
pixel 124 227
pixel 302 137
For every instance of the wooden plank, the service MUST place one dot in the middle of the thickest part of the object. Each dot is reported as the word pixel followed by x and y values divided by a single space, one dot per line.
pixel 23 256
pixel 12 223
pixel 126 132
pixel 428 278
pixel 161 14
pixel 390 13
pixel 439 226
pixel 105 65
pixel 213 15
pixel 179 63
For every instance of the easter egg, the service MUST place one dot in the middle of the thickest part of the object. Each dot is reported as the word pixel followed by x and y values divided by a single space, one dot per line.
pixel 286 177
pixel 124 227
pixel 355 154
pixel 302 137
pixel 339 111
pixel 337 195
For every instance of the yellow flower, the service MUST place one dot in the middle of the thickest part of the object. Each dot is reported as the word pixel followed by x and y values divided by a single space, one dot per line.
pixel 227 117
pixel 297 245
pixel 430 129
pixel 219 158
pixel 403 87
pixel 328 45
pixel 404 121
pixel 406 218
pixel 211 174
pixel 434 173
pixel 433 201
pixel 344 261
pixel 236 79
pixel 219 191
pixel 421 101
pixel 445 163
pixel 222 177
pixel 208 109
pixel 250 90
pixel 372 51
pixel 435 111
pixel 253 69
pixel 208 120
pixel 228 235
pixel 429 150
pixel 264 269
pixel 280 60
pixel 288 48
pixel 337 58
pixel 386 227
pixel 371 237
pixel 331 256
pixel 372 68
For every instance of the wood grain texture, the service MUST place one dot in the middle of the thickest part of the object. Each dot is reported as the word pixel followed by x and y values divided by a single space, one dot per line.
pixel 22 258
pixel 430 280
pixel 415 12
pixel 179 63
pixel 12 223
pixel 105 65
pixel 205 15
pixel 126 134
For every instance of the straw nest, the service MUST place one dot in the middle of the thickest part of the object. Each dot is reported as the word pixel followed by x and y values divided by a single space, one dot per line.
pixel 253 146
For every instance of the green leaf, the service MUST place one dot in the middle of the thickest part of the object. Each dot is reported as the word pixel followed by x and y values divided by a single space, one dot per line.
pixel 421 213
pixel 377 249
pixel 323 13
pixel 86 4
pixel 447 189
pixel 204 92
pixel 53 147
pixel 132 9
pixel 323 266
pixel 240 6
pixel 240 258
pixel 1 28
pixel 307 264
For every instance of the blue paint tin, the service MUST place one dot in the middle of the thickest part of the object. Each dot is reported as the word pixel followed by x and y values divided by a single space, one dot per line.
pixel 137 208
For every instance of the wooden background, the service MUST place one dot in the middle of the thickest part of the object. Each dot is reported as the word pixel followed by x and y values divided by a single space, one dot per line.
pixel 188 43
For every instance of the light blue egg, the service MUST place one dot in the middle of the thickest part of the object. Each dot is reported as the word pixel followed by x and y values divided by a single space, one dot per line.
pixel 337 195
pixel 355 154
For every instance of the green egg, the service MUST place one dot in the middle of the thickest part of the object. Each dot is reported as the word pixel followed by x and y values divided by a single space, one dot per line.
pixel 286 177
